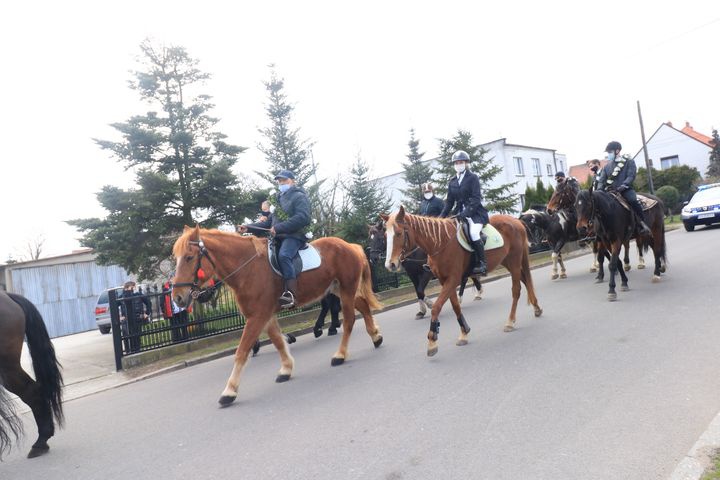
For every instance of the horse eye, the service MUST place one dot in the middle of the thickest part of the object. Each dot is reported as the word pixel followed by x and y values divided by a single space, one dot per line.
pixel 189 258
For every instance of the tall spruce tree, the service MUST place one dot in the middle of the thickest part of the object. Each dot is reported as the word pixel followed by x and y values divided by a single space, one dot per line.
pixel 365 200
pixel 284 150
pixel 497 199
pixel 713 171
pixel 417 173
pixel 182 163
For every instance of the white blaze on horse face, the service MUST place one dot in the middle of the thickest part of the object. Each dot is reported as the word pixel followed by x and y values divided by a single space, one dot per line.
pixel 390 234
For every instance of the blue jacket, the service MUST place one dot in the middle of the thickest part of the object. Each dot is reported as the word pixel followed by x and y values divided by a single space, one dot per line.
pixel 432 207
pixel 294 218
pixel 626 176
pixel 465 199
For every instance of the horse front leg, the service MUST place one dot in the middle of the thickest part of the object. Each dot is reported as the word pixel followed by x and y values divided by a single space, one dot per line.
pixel 432 336
pixel 614 267
pixel 558 249
pixel 515 275
pixel 464 327
pixel 251 332
pixel 287 362
pixel 626 258
pixel 601 255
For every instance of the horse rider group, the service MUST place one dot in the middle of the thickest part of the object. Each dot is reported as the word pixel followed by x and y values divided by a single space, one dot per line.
pixel 291 219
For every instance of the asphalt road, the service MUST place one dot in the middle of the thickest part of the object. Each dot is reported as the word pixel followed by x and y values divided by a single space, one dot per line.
pixel 590 390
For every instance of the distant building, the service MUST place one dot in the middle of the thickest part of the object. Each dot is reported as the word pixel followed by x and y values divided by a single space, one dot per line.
pixel 668 147
pixel 520 163
pixel 582 172
pixel 63 288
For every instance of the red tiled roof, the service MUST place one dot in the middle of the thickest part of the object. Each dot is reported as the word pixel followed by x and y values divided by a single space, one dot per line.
pixel 582 171
pixel 688 130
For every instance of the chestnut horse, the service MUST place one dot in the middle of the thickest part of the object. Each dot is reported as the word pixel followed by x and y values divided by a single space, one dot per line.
pixel 449 261
pixel 241 262
pixel 19 319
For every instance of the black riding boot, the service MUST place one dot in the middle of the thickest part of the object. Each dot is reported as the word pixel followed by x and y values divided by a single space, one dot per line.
pixel 643 229
pixel 480 267
pixel 287 299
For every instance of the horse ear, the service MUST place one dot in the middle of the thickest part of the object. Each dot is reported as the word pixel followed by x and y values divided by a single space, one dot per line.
pixel 384 217
pixel 401 214
pixel 186 228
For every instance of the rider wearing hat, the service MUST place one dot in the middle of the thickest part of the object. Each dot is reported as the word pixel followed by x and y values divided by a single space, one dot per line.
pixel 288 222
pixel 464 200
pixel 619 175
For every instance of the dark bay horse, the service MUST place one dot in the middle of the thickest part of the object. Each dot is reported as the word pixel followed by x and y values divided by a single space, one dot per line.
pixel 449 261
pixel 241 262
pixel 558 228
pixel 19 319
pixel 614 225
pixel 414 265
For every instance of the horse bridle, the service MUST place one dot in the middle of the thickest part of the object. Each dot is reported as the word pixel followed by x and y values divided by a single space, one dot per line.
pixel 195 290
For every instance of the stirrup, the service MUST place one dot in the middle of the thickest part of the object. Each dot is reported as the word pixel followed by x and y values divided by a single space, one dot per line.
pixel 287 300
pixel 480 269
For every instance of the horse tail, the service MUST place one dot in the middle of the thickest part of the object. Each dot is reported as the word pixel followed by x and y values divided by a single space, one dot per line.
pixel 10 424
pixel 525 275
pixel 45 363
pixel 365 290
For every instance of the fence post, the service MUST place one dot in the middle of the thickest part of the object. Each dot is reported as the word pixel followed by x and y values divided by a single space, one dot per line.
pixel 115 325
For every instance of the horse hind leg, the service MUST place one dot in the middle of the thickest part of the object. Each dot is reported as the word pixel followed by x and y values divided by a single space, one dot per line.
pixel 563 271
pixel 347 299
pixel 478 288
pixel 371 327
pixel 554 275
pixel 287 362
pixel 30 392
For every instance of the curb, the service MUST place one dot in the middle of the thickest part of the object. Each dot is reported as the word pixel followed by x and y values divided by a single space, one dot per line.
pixel 693 466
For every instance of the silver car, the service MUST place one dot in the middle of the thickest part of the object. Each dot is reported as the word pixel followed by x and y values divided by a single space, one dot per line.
pixel 102 308
pixel 703 208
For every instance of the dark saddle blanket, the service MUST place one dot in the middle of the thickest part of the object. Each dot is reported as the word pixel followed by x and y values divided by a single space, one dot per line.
pixel 308 258
pixel 645 202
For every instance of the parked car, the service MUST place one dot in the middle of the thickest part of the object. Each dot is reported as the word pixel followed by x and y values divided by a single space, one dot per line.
pixel 102 308
pixel 703 208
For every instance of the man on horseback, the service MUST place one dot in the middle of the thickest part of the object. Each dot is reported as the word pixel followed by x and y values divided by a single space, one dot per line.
pixel 619 175
pixel 288 222
pixel 431 205
pixel 464 200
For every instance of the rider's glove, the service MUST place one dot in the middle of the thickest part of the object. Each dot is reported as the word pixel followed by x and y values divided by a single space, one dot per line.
pixel 622 188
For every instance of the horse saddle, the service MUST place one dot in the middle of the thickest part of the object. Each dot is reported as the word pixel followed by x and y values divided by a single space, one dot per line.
pixel 645 202
pixel 490 236
pixel 308 258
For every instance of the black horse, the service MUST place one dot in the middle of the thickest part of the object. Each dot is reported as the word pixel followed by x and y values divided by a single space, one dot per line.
pixel 557 228
pixel 415 265
pixel 614 225
pixel 20 319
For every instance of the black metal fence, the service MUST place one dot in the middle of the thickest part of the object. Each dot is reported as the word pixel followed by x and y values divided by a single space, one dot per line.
pixel 166 325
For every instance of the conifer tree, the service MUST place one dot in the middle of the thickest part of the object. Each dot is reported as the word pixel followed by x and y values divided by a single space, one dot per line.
pixel 417 173
pixel 713 171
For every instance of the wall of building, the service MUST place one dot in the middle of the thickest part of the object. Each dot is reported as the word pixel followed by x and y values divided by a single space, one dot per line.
pixel 668 142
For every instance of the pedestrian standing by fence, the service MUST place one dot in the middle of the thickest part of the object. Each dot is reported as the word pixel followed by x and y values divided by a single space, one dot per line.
pixel 179 317
pixel 135 309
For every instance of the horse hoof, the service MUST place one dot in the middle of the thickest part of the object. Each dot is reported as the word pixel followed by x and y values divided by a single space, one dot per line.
pixel 290 338
pixel 477 297
pixel 508 328
pixel 593 270
pixel 332 331
pixel 378 342
pixel 419 315
pixel 337 361
pixel 318 333
pixel 612 297
pixel 624 288
pixel 282 378
pixel 554 276
pixel 641 267
pixel 538 312
pixel 656 278
pixel 563 275
pixel 37 451
pixel 432 351
pixel 226 400
pixel 599 280
pixel 461 343
pixel 627 268
pixel 662 269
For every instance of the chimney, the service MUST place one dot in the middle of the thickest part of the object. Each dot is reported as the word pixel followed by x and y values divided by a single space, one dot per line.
pixel 668 123
pixel 687 125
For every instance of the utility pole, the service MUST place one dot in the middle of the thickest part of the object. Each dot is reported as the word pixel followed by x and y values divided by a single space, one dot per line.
pixel 648 164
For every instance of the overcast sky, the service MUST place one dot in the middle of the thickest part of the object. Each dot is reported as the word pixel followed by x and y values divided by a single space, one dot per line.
pixel 555 74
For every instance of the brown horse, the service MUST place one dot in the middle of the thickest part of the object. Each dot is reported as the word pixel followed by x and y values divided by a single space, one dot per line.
pixel 20 319
pixel 242 263
pixel 449 261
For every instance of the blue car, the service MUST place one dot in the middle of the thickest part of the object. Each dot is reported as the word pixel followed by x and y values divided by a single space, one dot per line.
pixel 703 208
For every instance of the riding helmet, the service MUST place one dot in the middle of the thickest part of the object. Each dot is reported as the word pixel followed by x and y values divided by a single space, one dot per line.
pixel 612 146
pixel 460 156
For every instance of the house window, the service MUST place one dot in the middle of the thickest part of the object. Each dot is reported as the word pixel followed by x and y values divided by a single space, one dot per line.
pixel 518 166
pixel 562 166
pixel 522 201
pixel 549 170
pixel 536 167
pixel 667 162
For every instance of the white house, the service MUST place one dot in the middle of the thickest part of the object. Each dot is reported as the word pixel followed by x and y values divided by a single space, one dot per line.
pixel 669 146
pixel 520 164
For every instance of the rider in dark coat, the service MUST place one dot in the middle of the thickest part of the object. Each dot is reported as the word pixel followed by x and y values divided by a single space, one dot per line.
pixel 289 222
pixel 431 206
pixel 619 175
pixel 464 200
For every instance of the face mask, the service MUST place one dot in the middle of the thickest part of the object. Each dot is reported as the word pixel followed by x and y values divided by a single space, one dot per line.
pixel 428 195
pixel 611 156
pixel 265 214
pixel 459 168
pixel 284 187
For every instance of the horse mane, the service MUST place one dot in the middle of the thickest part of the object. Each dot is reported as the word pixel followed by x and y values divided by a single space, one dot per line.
pixel 182 244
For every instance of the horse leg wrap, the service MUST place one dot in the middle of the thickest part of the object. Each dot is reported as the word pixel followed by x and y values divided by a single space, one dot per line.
pixel 463 324
pixel 435 329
